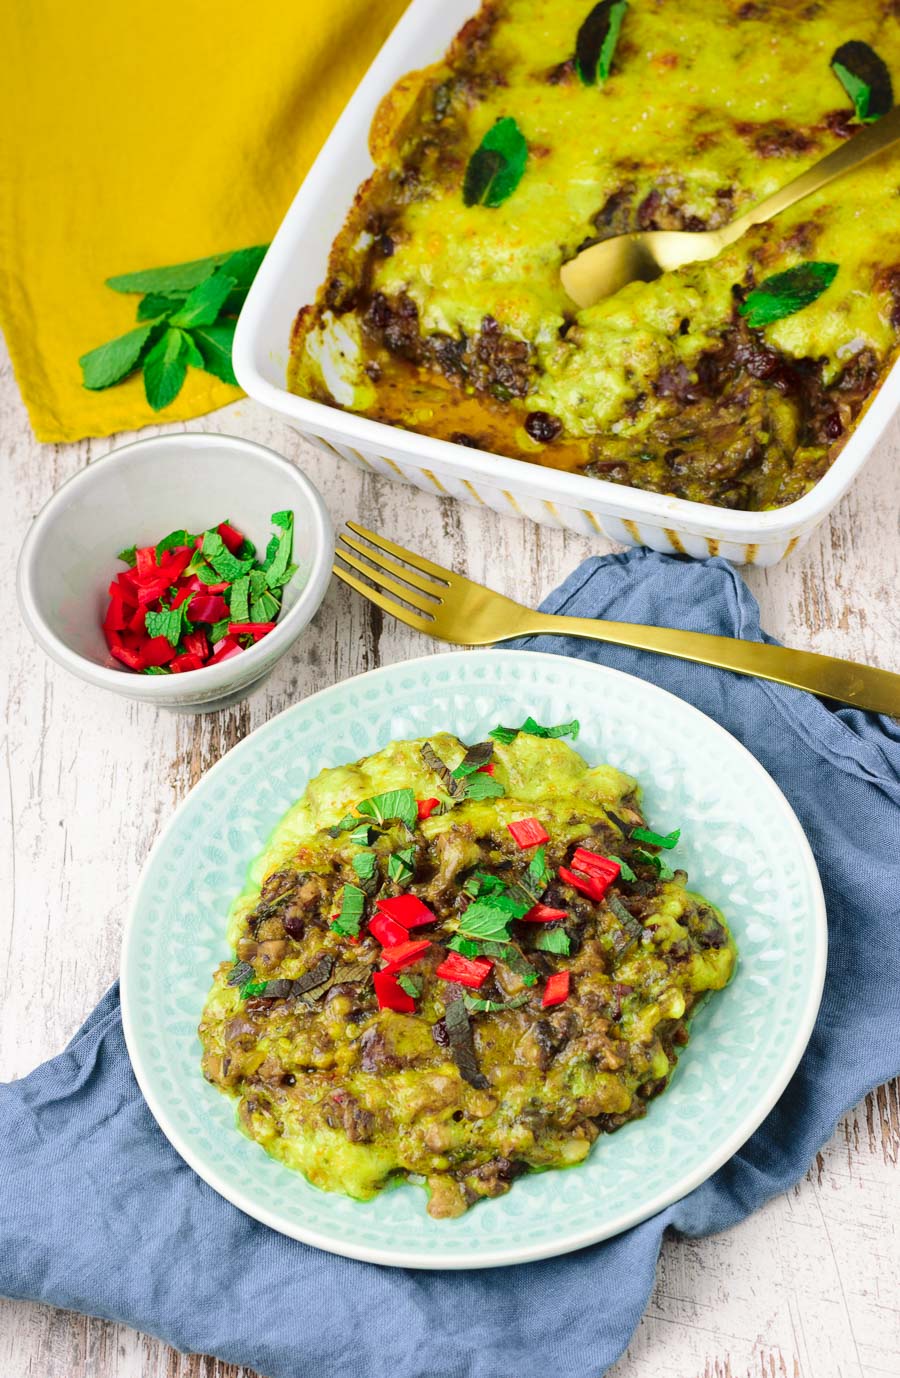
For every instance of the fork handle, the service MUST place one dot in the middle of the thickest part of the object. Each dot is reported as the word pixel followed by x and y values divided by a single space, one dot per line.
pixel 863 686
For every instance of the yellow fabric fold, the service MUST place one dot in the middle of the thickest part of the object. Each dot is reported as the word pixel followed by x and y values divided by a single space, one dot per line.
pixel 141 135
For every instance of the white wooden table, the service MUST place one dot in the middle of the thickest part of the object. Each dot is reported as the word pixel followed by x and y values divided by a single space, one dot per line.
pixel 806 1288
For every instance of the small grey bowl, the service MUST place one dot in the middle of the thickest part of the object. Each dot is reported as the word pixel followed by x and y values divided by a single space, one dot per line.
pixel 137 494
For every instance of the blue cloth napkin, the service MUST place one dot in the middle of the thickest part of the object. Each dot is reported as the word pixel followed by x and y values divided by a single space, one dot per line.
pixel 99 1214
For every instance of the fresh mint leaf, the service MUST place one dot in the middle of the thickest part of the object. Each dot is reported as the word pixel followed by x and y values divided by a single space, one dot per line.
pixel 205 302
pixel 218 630
pixel 363 835
pixel 476 756
pixel 244 264
pixel 214 343
pixel 552 940
pixel 226 565
pixel 156 304
pixel 482 786
pixel 596 42
pixel 265 608
pixel 656 839
pixel 661 867
pixel 476 1005
pixel 251 988
pixel 178 277
pixel 505 735
pixel 401 865
pixel 239 604
pixel 395 804
pixel 483 919
pixel 365 864
pixel 277 560
pixel 111 362
pixel 865 78
pixel 164 369
pixel 129 556
pixel 409 984
pixel 538 870
pixel 495 168
pixel 170 623
pixel 353 902
pixel 174 538
pixel 624 869
pixel 785 293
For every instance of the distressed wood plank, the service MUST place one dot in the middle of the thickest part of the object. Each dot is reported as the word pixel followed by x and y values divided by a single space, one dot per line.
pixel 804 1289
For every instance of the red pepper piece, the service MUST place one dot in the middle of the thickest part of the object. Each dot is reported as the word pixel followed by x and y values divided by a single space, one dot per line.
pixel 118 612
pixel 389 932
pixel 593 886
pixel 486 770
pixel 175 562
pixel 404 954
pixel 138 621
pixel 556 991
pixel 207 608
pixel 426 807
pixel 125 654
pixel 528 832
pixel 197 585
pixel 146 565
pixel 592 864
pixel 254 629
pixel 408 910
pixel 231 536
pixel 226 648
pixel 468 971
pixel 542 913
pixel 156 651
pixel 181 597
pixel 152 590
pixel 186 662
pixel 128 583
pixel 391 995
pixel 196 644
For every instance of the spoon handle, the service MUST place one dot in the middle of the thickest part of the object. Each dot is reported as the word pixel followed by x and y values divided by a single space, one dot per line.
pixel 872 139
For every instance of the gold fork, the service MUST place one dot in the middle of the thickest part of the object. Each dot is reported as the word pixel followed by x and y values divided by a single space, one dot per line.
pixel 452 608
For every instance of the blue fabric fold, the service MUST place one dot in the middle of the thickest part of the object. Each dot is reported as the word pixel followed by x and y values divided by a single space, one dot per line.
pixel 99 1214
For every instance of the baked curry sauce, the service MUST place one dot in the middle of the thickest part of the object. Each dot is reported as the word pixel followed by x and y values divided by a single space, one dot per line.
pixel 450 319
pixel 540 996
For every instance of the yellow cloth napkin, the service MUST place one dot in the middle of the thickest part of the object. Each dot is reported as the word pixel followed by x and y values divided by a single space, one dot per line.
pixel 140 135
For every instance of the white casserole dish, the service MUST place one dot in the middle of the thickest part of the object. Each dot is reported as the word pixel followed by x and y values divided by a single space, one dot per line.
pixel 292 272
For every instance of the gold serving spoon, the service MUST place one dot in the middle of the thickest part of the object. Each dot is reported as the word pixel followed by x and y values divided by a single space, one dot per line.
pixel 604 268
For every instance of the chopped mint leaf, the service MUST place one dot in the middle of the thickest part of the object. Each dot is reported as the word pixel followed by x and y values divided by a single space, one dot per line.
pixel 478 1006
pixel 496 167
pixel 226 565
pixel 480 884
pixel 349 821
pixel 174 538
pixel 365 864
pixel 466 946
pixel 218 630
pixel 476 756
pixel 785 293
pixel 625 870
pixel 662 868
pixel 596 42
pixel 239 599
pixel 395 804
pixel 481 786
pixel 353 902
pixel 401 865
pixel 865 78
pixel 250 988
pixel 129 556
pixel 655 839
pixel 409 984
pixel 552 940
pixel 538 870
pixel 170 623
pixel 534 729
pixel 484 919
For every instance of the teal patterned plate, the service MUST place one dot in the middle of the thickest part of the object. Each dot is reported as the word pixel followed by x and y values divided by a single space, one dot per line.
pixel 741 844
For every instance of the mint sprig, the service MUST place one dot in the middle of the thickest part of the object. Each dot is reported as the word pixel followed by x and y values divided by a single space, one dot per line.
pixel 188 316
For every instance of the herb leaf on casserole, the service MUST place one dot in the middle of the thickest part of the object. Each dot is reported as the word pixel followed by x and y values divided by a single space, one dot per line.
pixel 595 45
pixel 865 78
pixel 785 293
pixel 495 168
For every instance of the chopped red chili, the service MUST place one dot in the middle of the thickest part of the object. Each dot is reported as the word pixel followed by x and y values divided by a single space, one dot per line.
pixel 593 864
pixel 254 629
pixel 594 882
pixel 408 910
pixel 468 971
pixel 388 932
pixel 405 953
pixel 231 536
pixel 542 913
pixel 529 832
pixel 556 991
pixel 487 769
pixel 390 994
pixel 426 807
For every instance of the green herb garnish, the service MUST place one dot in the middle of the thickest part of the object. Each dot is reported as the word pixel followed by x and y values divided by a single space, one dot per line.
pixel 656 839
pixel 353 902
pixel 409 984
pixel 239 599
pixel 128 556
pixel 597 39
pixel 399 804
pixel 552 940
pixel 495 168
pixel 361 836
pixel 188 312
pixel 170 623
pixel 251 988
pixel 226 565
pixel 662 868
pixel 476 756
pixel 633 928
pixel 624 868
pixel 478 1006
pixel 865 78
pixel 534 729
pixel 538 870
pixel 170 542
pixel 349 821
pixel 480 884
pixel 785 293
pixel 401 865
pixel 277 564
pixel 485 919
pixel 482 786
pixel 365 864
